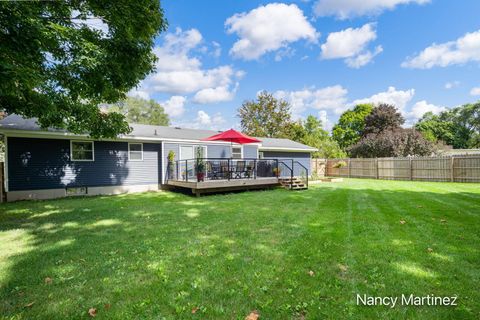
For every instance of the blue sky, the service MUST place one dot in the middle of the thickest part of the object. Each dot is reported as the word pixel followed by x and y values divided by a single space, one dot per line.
pixel 321 55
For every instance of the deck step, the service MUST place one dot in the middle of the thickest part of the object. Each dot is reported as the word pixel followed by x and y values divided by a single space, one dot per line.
pixel 293 184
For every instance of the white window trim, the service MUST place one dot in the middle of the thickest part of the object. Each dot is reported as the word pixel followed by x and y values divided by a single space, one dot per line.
pixel 141 144
pixel 241 151
pixel 80 160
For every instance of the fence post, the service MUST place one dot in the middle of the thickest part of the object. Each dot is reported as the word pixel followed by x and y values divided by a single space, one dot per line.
pixel 349 168
pixel 452 168
pixel 411 168
pixel 376 168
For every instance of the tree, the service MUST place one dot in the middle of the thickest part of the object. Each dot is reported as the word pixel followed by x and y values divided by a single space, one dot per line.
pixel 266 117
pixel 137 110
pixel 311 133
pixel 383 136
pixel 60 59
pixel 397 142
pixel 458 127
pixel 383 117
pixel 350 126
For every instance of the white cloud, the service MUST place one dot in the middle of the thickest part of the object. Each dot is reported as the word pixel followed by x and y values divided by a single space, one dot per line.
pixel 344 9
pixel 333 98
pixel 351 44
pixel 178 72
pixel 422 107
pixel 475 91
pixel 204 120
pixel 460 51
pixel 175 106
pixel 139 94
pixel 268 28
pixel 392 96
pixel 364 58
pixel 90 21
pixel 451 85
pixel 215 95
pixel 323 116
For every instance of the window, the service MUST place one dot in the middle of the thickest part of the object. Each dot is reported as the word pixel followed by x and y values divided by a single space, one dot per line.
pixel 81 150
pixel 76 191
pixel 192 152
pixel 135 151
pixel 237 152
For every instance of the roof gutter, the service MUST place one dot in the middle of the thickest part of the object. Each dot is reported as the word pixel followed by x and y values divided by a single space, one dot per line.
pixel 287 149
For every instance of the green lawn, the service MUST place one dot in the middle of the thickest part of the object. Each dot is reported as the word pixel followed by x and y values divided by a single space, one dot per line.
pixel 289 255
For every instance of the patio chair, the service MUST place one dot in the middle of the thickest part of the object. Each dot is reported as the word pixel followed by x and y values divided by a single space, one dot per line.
pixel 239 170
pixel 214 170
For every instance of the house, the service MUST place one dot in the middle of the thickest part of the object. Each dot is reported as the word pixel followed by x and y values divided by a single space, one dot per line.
pixel 42 164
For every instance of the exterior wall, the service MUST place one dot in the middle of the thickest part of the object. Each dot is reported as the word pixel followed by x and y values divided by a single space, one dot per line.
pixel 302 157
pixel 250 151
pixel 44 164
pixel 213 151
pixel 219 151
pixel 92 191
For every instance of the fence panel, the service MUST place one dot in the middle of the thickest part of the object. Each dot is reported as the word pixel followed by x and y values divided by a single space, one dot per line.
pixel 394 168
pixel 466 169
pixel 363 168
pixel 318 167
pixel 443 168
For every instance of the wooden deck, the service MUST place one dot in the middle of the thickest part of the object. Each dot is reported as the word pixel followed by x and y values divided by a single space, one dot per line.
pixel 199 188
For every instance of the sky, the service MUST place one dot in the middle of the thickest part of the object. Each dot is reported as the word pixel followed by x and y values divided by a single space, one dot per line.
pixel 323 56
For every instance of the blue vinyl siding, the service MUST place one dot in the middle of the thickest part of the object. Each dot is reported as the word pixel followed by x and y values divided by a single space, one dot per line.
pixel 45 164
pixel 302 157
pixel 218 151
pixel 250 151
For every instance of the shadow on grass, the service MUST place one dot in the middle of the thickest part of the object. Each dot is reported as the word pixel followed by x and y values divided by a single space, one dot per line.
pixel 156 255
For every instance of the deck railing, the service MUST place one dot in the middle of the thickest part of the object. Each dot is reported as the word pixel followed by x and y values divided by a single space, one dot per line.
pixel 208 169
pixel 211 169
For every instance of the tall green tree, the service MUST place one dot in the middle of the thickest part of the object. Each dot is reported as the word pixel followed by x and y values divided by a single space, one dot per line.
pixel 137 110
pixel 458 127
pixel 60 59
pixel 266 116
pixel 383 136
pixel 350 126
pixel 311 133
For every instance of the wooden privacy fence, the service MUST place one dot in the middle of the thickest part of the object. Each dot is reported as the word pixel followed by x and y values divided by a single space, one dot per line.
pixel 445 168
pixel 317 167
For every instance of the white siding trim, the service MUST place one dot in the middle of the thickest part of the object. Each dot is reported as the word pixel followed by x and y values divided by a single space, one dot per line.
pixel 5 159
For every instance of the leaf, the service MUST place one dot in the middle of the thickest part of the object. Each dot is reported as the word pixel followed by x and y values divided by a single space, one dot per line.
pixel 48 280
pixel 342 267
pixel 29 305
pixel 443 220
pixel 430 250
pixel 311 273
pixel 92 312
pixel 194 310
pixel 403 221
pixel 107 306
pixel 419 206
pixel 254 315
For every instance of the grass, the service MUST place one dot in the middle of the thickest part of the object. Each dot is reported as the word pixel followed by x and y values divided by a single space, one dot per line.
pixel 289 255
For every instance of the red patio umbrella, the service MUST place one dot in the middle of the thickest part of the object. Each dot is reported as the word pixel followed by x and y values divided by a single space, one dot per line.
pixel 232 136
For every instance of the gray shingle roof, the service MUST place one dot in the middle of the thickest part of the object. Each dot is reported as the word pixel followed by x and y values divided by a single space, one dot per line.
pixel 16 122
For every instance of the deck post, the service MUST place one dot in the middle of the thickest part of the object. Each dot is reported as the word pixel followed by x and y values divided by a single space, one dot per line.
pixel 186 170
pixel 255 169
pixel 176 164
pixel 228 169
